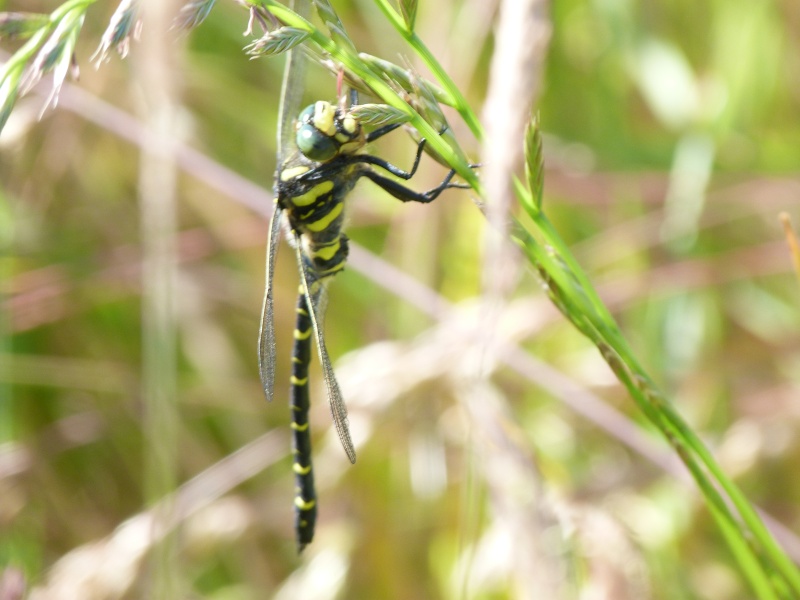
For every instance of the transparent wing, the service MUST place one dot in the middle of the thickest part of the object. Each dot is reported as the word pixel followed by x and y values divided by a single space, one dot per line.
pixel 291 95
pixel 315 295
pixel 266 333
pixel 294 75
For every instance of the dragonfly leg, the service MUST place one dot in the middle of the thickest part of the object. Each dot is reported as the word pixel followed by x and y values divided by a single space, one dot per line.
pixel 405 194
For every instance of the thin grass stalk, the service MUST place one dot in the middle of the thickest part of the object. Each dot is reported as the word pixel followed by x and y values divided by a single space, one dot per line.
pixel 791 241
pixel 8 431
pixel 670 416
pixel 460 103
pixel 28 49
pixel 592 318
pixel 731 529
pixel 585 310
pixel 745 555
pixel 49 48
pixel 158 223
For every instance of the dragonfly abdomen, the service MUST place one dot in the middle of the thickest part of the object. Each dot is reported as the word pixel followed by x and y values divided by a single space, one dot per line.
pixel 305 500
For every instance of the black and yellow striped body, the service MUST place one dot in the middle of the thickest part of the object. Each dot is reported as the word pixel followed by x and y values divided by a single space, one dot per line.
pixel 311 194
pixel 305 500
pixel 311 187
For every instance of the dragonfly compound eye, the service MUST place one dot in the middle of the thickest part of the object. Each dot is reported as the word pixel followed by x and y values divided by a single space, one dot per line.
pixel 316 145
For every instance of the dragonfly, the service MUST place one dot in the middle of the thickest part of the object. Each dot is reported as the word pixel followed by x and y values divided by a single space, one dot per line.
pixel 321 157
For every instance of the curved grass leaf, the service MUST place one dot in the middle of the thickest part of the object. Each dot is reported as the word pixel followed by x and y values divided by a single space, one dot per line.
pixel 408 8
pixel 20 24
pixel 339 37
pixel 276 42
pixel 192 14
pixel 534 161
pixel 334 24
pixel 405 79
pixel 123 26
pixel 378 115
pixel 8 96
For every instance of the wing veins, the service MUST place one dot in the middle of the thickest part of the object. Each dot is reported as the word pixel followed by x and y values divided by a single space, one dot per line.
pixel 266 332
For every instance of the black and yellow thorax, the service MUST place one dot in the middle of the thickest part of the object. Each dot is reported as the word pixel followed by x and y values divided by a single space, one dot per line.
pixel 314 182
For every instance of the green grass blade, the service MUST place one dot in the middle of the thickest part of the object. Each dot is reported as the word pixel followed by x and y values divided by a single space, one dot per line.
pixel 460 103
pixel 572 292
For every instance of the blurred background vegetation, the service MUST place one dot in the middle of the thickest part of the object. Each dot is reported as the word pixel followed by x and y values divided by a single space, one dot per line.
pixel 671 147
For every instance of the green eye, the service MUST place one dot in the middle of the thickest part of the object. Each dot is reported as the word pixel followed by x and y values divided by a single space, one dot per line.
pixel 307 116
pixel 311 141
pixel 316 145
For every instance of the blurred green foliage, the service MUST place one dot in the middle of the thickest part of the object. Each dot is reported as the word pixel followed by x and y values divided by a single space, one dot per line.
pixel 671 147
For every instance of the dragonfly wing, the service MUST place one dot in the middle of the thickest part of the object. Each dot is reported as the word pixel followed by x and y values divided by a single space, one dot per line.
pixel 292 87
pixel 266 334
pixel 314 289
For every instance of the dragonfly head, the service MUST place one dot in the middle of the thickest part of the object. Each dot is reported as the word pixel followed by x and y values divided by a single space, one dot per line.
pixel 325 132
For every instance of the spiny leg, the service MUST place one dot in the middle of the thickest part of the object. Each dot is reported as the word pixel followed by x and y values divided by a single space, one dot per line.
pixel 398 190
pixel 406 194
pixel 387 166
pixel 381 131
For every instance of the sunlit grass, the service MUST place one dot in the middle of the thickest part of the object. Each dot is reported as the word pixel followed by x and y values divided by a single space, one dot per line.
pixel 449 437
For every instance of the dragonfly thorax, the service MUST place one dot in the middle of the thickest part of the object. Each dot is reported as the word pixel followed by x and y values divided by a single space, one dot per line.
pixel 325 132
